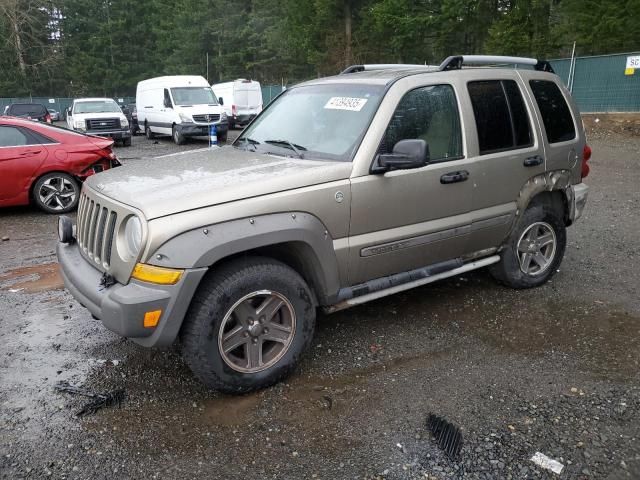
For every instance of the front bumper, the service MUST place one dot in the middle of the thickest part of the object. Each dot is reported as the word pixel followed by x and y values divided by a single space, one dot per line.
pixel 115 134
pixel 196 130
pixel 579 194
pixel 122 307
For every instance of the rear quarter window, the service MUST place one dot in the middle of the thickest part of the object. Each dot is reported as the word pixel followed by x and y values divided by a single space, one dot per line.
pixel 556 115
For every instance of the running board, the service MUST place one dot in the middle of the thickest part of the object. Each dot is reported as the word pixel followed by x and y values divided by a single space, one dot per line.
pixel 434 273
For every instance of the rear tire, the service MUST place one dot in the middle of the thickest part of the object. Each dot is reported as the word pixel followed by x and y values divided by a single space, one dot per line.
pixel 235 305
pixel 534 250
pixel 56 192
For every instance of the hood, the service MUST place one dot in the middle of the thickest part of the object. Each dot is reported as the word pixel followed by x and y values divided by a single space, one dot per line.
pixel 200 178
pixel 78 116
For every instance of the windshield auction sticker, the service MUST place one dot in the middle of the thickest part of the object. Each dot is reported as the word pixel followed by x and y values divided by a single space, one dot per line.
pixel 346 103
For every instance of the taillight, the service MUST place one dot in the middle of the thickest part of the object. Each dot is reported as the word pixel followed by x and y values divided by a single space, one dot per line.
pixel 586 155
pixel 234 110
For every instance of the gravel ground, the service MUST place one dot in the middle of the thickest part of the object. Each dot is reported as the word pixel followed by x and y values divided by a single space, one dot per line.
pixel 552 370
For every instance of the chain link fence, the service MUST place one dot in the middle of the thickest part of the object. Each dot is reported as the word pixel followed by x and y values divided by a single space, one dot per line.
pixel 600 84
pixel 59 104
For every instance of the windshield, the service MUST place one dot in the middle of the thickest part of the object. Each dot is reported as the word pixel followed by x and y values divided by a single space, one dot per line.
pixel 187 96
pixel 317 121
pixel 97 106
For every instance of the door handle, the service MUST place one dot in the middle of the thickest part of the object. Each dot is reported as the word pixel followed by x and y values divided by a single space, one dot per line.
pixel 533 161
pixel 454 177
pixel 30 153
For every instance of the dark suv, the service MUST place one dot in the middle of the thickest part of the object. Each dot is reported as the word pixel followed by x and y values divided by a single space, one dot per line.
pixel 30 111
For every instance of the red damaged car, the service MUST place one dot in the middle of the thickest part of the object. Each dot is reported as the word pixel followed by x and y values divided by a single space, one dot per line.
pixel 45 165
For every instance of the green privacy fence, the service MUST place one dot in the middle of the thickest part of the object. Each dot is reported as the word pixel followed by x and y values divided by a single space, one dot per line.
pixel 53 103
pixel 600 83
pixel 269 92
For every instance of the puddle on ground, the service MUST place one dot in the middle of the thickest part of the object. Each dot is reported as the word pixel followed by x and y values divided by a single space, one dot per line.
pixel 33 279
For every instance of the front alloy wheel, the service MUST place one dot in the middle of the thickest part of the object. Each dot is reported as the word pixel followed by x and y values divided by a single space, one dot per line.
pixel 248 324
pixel 257 331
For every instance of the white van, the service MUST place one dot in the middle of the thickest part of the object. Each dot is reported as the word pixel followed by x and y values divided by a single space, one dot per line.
pixel 241 100
pixel 181 106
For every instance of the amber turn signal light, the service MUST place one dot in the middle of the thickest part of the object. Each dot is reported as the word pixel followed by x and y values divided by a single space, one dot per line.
pixel 159 275
pixel 151 319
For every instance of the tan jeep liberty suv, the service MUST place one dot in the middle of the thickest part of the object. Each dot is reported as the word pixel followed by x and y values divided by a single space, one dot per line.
pixel 343 190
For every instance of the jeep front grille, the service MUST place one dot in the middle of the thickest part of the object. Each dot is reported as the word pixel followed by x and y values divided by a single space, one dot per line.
pixel 208 118
pixel 95 229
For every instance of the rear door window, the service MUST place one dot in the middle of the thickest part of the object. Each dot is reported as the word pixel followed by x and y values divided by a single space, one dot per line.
pixel 501 116
pixel 431 114
pixel 554 110
pixel 13 137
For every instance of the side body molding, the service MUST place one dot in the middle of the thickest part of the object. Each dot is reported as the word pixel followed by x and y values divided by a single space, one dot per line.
pixel 302 235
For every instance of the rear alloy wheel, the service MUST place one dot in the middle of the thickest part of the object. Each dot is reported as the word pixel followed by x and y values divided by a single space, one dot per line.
pixel 534 249
pixel 56 192
pixel 248 324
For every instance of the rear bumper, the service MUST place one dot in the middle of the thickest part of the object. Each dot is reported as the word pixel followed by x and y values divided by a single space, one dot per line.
pixel 121 308
pixel 243 119
pixel 579 194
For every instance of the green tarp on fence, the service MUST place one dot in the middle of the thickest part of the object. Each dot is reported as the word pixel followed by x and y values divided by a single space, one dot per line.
pixel 600 83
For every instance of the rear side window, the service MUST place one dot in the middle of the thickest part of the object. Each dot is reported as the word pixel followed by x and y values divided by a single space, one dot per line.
pixel 431 114
pixel 555 112
pixel 13 137
pixel 501 116
pixel 27 109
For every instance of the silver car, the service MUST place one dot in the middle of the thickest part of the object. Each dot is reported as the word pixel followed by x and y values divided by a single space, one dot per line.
pixel 343 190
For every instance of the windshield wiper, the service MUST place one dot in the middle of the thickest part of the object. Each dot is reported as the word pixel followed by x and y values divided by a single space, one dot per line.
pixel 249 141
pixel 287 143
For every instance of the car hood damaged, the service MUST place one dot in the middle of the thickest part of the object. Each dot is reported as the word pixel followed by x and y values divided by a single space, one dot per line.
pixel 189 180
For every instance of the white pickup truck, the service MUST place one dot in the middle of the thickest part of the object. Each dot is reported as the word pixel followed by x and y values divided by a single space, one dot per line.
pixel 99 116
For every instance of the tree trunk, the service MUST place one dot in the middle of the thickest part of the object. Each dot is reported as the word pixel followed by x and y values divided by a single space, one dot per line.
pixel 348 56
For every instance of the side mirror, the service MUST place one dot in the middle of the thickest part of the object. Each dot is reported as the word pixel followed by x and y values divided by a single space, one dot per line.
pixel 220 101
pixel 407 154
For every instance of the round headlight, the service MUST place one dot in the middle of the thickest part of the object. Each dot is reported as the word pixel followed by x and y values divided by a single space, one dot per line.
pixel 133 236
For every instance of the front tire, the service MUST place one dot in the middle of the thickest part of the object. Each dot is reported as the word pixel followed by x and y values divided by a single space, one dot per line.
pixel 178 138
pixel 56 192
pixel 534 249
pixel 248 325
pixel 148 133
pixel 222 137
pixel 126 142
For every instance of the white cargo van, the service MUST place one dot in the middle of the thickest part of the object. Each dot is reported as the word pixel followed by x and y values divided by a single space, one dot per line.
pixel 241 100
pixel 181 106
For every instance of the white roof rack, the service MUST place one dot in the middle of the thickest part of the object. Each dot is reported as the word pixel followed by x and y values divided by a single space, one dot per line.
pixel 456 62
